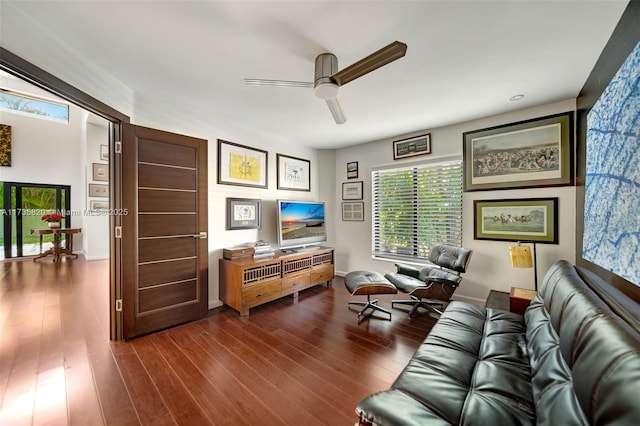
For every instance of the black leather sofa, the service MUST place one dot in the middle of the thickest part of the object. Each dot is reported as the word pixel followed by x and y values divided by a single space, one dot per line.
pixel 573 359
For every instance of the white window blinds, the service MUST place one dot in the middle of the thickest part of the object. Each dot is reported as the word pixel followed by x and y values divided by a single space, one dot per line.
pixel 415 207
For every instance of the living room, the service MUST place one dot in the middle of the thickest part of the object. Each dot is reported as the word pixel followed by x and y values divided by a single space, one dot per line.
pixel 490 268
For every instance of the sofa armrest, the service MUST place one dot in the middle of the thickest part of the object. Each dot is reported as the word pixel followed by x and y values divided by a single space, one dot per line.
pixel 407 270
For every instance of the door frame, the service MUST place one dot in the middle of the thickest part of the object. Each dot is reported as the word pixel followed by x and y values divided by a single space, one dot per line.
pixel 18 216
pixel 15 65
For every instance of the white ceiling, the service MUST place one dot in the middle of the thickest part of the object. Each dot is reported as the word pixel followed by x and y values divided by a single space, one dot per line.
pixel 464 58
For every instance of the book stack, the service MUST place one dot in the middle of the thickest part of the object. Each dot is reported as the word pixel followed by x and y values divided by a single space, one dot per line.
pixel 262 249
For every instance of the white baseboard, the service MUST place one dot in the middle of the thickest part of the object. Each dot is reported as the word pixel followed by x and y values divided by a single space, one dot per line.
pixel 215 304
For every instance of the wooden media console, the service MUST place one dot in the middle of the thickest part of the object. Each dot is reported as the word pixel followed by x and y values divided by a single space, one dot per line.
pixel 246 283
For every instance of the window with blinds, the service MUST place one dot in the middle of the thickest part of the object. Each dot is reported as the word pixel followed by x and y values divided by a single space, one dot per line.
pixel 416 207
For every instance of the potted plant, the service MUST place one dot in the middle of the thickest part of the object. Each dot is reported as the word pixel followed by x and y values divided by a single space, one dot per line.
pixel 53 219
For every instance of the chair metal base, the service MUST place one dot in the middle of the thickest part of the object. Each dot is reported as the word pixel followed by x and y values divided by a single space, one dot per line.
pixel 416 303
pixel 369 304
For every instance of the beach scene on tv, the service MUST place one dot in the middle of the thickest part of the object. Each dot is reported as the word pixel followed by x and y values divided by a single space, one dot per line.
pixel 302 220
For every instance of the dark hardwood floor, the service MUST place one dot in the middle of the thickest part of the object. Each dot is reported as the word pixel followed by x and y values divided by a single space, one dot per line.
pixel 308 363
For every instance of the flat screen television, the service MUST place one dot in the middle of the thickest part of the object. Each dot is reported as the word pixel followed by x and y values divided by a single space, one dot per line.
pixel 300 224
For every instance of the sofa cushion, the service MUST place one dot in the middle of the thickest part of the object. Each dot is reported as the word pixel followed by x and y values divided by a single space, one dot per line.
pixel 473 368
pixel 585 359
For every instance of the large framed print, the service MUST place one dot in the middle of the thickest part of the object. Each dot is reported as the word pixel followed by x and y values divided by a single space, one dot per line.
pixel 532 219
pixel 243 213
pixel 293 173
pixel 242 165
pixel 532 153
pixel 410 147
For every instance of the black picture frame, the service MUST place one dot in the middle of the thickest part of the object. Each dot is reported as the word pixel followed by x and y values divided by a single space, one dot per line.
pixel 352 170
pixel 242 165
pixel 352 190
pixel 522 219
pixel 411 147
pixel 243 213
pixel 530 153
pixel 294 174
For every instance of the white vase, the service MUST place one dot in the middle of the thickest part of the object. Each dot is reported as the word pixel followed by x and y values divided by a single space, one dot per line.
pixel 53 224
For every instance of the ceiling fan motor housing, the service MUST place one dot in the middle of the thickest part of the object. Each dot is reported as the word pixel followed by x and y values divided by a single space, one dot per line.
pixel 326 66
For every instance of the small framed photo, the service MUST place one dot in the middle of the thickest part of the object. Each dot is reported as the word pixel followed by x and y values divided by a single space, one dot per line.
pixel 101 172
pixel 104 152
pixel 98 190
pixel 352 170
pixel 243 213
pixel 98 205
pixel 410 147
pixel 353 211
pixel 530 219
pixel 293 173
pixel 352 190
pixel 242 165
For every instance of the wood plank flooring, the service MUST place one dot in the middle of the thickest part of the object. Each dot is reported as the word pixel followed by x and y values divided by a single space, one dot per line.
pixel 307 363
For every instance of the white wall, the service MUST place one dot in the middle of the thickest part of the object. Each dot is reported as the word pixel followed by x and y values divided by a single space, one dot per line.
pixel 52 152
pixel 46 151
pixel 490 267
pixel 96 230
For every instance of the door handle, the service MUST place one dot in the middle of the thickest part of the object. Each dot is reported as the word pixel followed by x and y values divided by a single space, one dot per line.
pixel 200 235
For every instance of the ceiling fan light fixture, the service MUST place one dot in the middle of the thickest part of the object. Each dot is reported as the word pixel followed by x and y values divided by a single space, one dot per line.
pixel 326 90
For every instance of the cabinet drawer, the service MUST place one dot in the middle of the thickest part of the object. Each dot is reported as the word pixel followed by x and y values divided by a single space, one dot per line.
pixel 321 273
pixel 261 293
pixel 294 283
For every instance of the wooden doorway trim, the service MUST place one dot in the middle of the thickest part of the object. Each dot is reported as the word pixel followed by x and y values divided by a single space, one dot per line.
pixel 15 65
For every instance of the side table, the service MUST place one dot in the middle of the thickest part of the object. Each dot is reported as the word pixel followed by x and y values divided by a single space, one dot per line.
pixel 519 299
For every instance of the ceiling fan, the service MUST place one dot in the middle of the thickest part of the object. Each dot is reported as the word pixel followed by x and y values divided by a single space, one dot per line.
pixel 328 79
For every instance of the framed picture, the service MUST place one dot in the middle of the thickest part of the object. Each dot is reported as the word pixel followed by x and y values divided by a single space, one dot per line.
pixel 101 172
pixel 243 213
pixel 104 152
pixel 353 211
pixel 241 165
pixel 532 219
pixel 98 190
pixel 352 170
pixel 352 190
pixel 5 145
pixel 532 153
pixel 98 205
pixel 410 147
pixel 293 173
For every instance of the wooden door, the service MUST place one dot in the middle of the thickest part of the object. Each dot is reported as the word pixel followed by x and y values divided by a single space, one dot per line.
pixel 164 225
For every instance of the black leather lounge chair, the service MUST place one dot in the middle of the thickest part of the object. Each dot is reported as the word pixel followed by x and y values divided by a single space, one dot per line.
pixel 432 285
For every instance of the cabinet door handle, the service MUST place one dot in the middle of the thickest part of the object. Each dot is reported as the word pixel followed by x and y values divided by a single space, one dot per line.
pixel 264 293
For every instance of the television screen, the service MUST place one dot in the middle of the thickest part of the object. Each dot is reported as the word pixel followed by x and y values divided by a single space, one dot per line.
pixel 300 223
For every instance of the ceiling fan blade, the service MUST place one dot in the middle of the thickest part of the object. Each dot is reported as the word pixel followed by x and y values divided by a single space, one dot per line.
pixel 390 53
pixel 336 111
pixel 280 83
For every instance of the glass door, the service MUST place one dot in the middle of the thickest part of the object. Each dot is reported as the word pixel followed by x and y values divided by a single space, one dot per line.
pixel 23 205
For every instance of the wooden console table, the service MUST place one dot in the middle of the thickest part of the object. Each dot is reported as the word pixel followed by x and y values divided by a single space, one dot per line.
pixel 57 250
pixel 245 283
